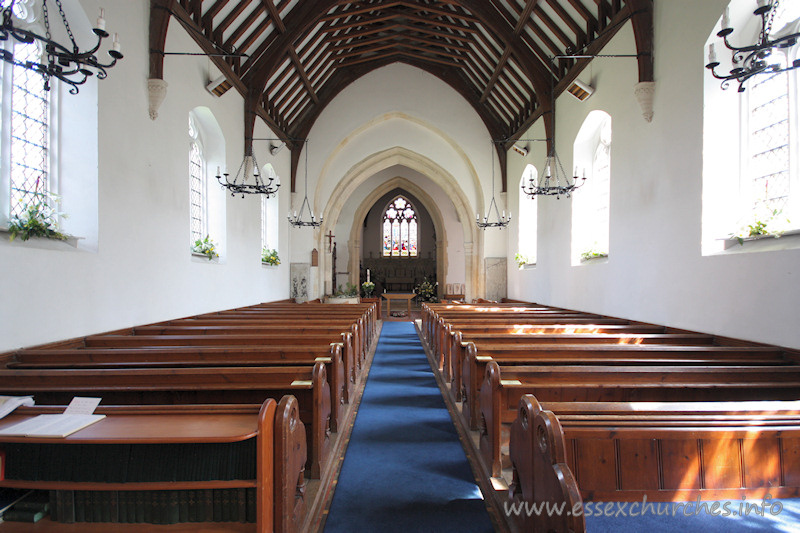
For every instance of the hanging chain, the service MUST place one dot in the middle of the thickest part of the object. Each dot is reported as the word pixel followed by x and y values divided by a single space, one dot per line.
pixel 46 21
pixel 66 25
pixel 768 27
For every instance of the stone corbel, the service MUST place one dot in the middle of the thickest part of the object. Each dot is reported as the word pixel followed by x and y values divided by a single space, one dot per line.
pixel 644 92
pixel 156 92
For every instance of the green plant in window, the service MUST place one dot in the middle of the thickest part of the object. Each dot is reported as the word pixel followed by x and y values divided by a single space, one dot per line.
pixel 521 260
pixel 206 247
pixel 367 287
pixel 270 257
pixel 40 219
pixel 592 254
pixel 760 226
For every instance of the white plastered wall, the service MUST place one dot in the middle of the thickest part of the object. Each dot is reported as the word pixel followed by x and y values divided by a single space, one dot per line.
pixel 142 270
pixel 656 271
pixel 400 108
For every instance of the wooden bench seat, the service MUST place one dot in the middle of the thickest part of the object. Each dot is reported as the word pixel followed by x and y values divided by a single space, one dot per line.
pixel 208 385
pixel 277 476
pixel 473 368
pixel 503 387
pixel 667 452
pixel 128 355
pixel 361 341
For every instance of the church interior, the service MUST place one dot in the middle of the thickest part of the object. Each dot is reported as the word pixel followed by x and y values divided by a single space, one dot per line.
pixel 229 168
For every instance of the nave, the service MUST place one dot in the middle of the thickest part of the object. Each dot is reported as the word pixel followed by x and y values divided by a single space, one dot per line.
pixel 404 469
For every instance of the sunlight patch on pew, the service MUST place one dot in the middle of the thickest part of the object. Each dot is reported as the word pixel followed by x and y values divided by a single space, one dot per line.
pixel 631 340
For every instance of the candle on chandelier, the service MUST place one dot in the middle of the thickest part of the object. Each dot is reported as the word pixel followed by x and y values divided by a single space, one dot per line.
pixel 101 21
pixel 726 18
pixel 712 54
pixel 763 3
pixel 116 46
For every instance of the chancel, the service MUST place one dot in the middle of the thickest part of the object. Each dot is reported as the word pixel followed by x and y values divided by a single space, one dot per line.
pixel 628 337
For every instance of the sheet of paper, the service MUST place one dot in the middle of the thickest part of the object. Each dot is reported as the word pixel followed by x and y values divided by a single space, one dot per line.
pixel 81 405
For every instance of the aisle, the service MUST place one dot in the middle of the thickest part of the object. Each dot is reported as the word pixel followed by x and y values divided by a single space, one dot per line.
pixel 405 469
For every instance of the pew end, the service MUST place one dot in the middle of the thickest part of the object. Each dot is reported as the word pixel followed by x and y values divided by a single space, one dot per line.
pixel 541 474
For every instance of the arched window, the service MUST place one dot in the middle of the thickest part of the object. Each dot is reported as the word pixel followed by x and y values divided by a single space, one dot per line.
pixel 269 213
pixel 528 213
pixel 207 203
pixel 198 210
pixel 400 229
pixel 590 203
pixel 751 175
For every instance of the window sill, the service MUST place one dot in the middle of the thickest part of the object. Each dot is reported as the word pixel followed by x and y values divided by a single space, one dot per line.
pixel 203 258
pixel 527 266
pixel 762 243
pixel 43 243
pixel 267 265
pixel 598 259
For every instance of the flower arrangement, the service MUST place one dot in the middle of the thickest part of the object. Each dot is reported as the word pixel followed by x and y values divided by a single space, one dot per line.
pixel 367 287
pixel 427 291
pixel 40 219
pixel 206 247
pixel 270 257
pixel 762 226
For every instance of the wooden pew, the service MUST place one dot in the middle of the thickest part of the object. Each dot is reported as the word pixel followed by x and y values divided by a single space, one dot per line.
pixel 500 393
pixel 145 386
pixel 114 352
pixel 277 474
pixel 664 452
pixel 348 332
pixel 474 364
pixel 453 359
pixel 360 341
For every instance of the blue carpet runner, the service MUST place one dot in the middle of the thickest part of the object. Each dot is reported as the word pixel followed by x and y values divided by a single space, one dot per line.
pixel 404 469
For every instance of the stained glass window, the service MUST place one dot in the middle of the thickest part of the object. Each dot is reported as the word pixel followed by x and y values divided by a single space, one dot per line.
pixel 29 133
pixel 400 229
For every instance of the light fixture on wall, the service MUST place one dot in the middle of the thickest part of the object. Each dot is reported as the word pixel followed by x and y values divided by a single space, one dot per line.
pixel 64 62
pixel 297 220
pixel 241 184
pixel 500 221
pixel 757 58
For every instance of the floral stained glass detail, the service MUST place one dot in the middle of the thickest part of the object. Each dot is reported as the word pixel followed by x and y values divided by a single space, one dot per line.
pixel 400 229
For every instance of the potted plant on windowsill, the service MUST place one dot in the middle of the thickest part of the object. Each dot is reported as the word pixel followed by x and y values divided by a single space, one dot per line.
pixel 270 257
pixel 206 248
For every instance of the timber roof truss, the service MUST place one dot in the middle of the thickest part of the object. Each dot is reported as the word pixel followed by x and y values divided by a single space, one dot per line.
pixel 290 58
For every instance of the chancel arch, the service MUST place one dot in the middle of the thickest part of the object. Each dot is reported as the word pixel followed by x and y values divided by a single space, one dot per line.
pixel 399 156
pixel 377 200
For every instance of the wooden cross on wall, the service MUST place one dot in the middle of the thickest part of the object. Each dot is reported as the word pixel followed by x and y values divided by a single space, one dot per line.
pixel 330 237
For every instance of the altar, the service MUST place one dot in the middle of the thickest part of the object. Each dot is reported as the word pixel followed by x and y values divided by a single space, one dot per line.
pixel 390 296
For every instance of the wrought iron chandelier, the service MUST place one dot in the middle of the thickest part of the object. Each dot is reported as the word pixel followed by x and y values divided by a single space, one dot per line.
pixel 555 181
pixel 297 220
pixel 63 62
pixel 758 58
pixel 241 185
pixel 500 221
